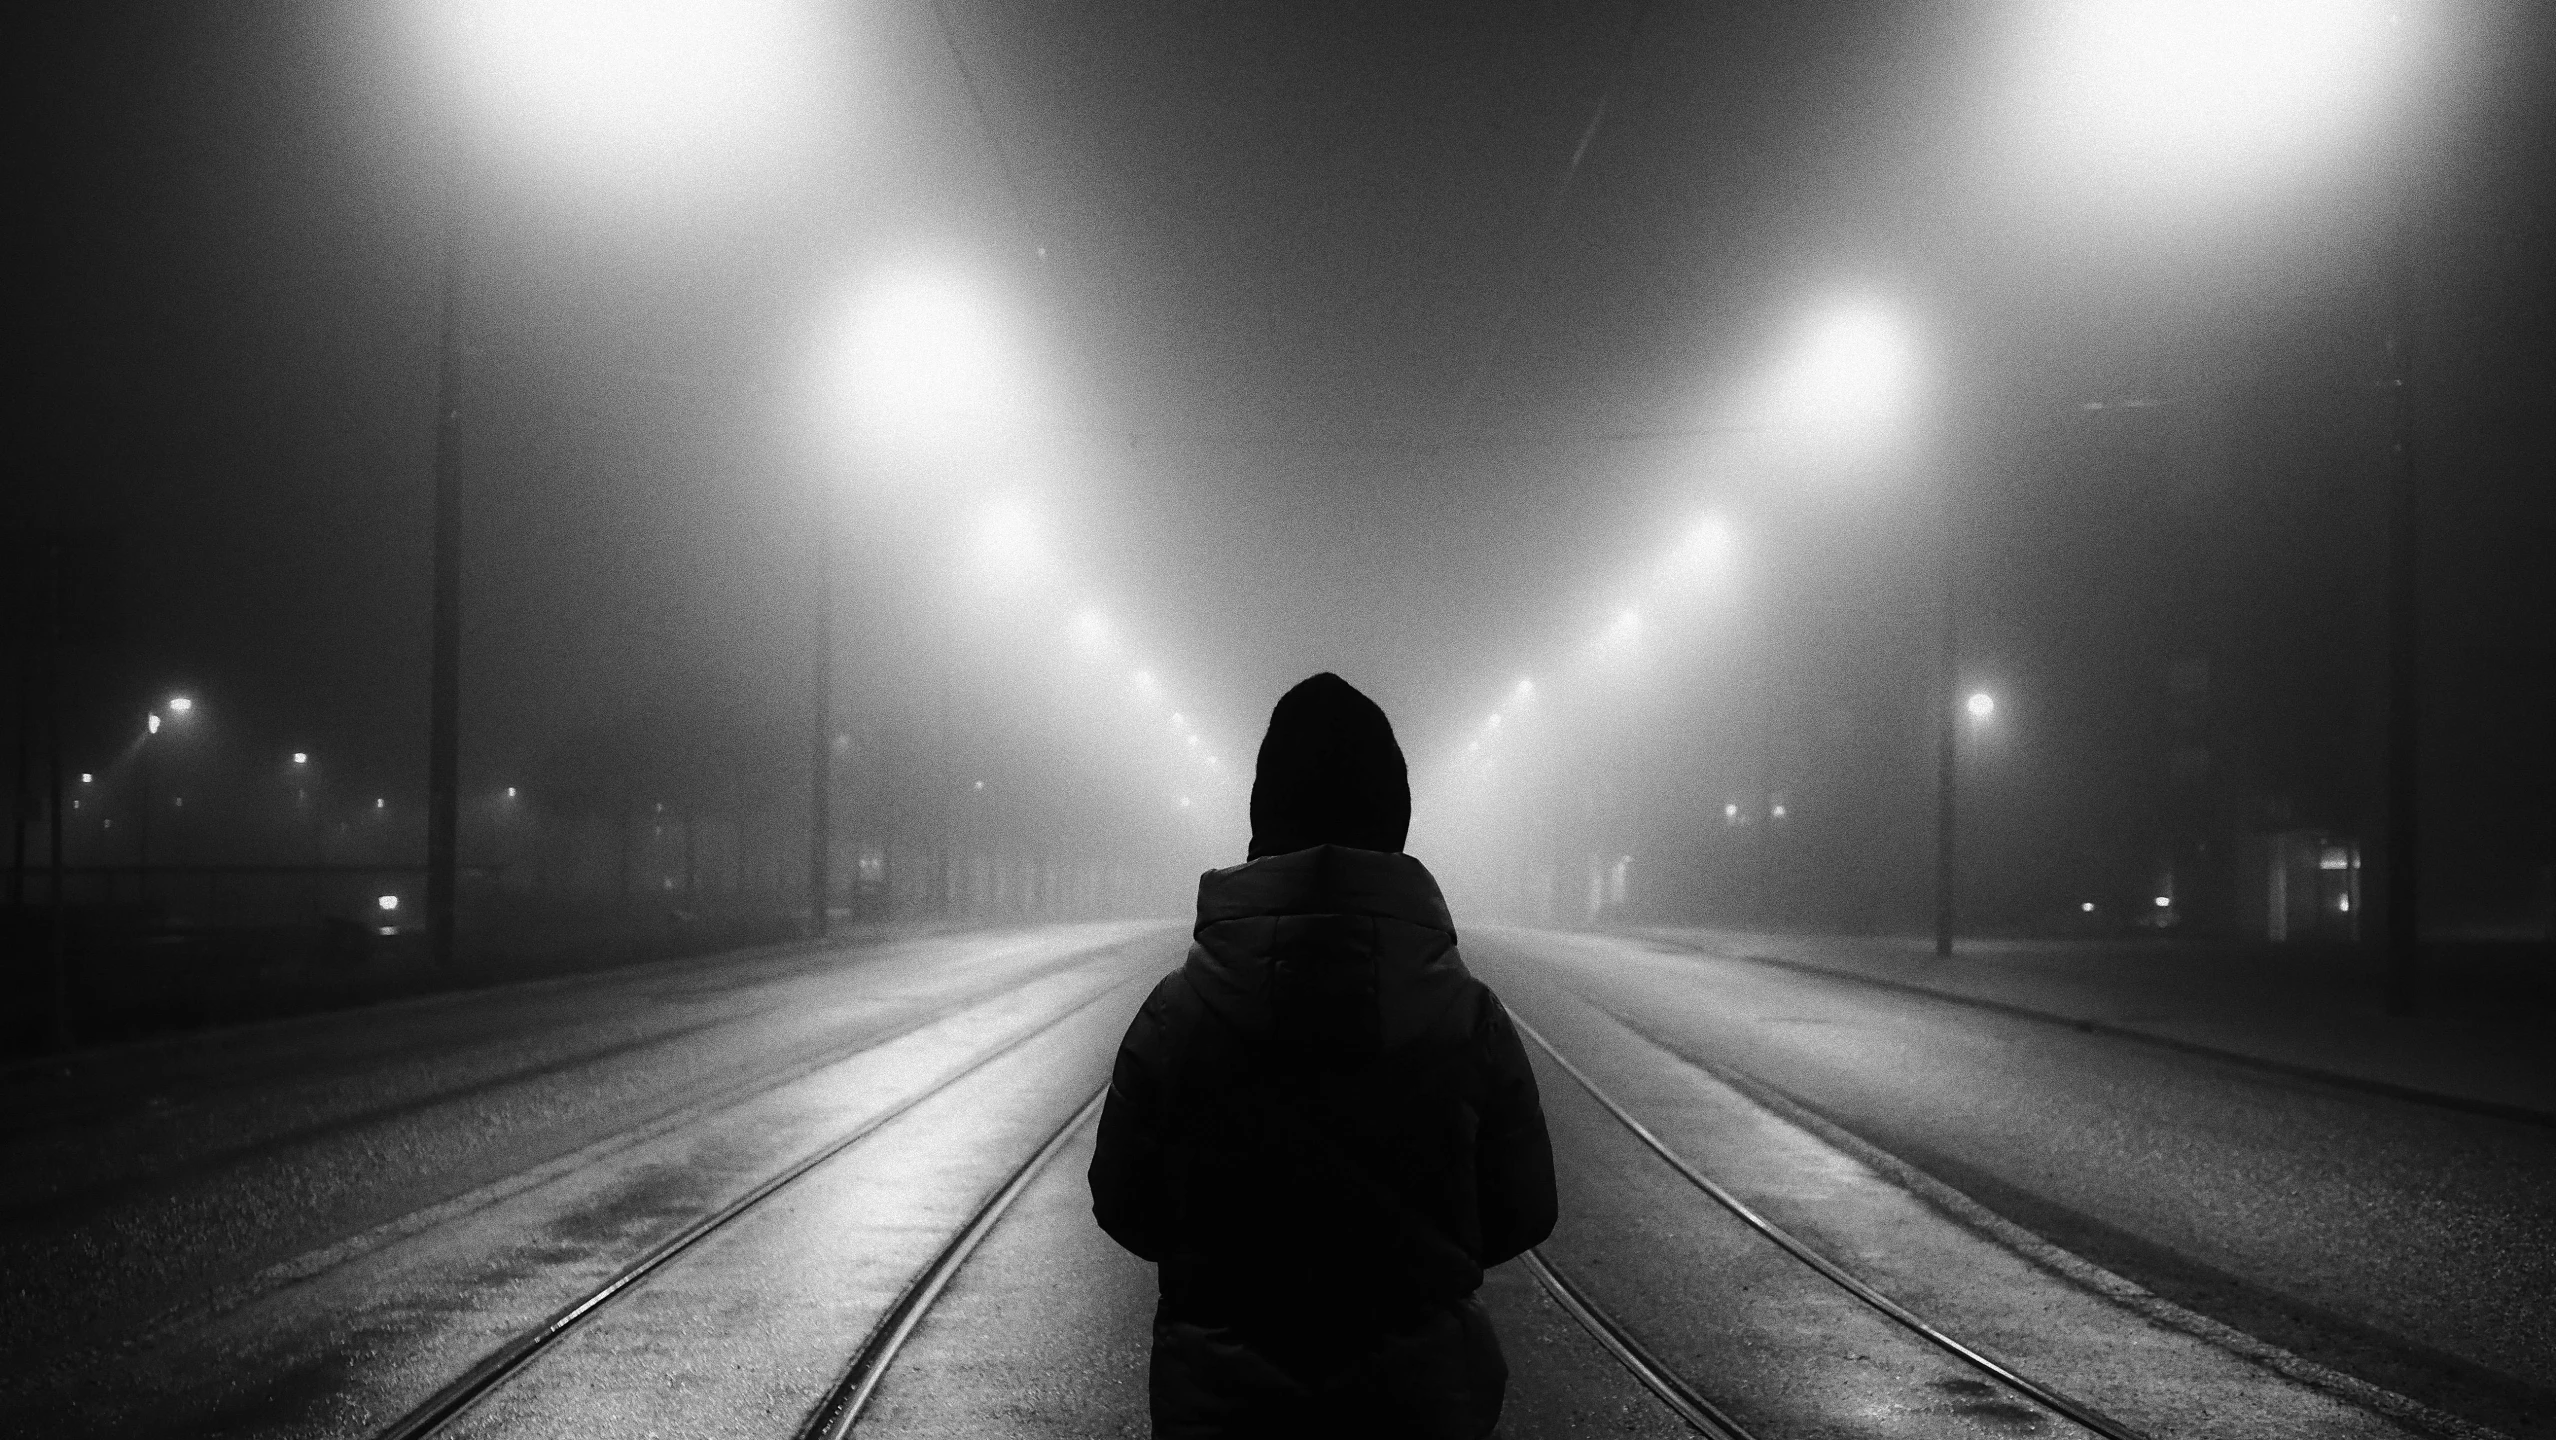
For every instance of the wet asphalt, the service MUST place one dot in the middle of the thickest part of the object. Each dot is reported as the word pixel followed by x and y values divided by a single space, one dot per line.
pixel 157 1206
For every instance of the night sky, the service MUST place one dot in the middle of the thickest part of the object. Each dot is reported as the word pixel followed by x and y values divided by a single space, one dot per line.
pixel 1381 339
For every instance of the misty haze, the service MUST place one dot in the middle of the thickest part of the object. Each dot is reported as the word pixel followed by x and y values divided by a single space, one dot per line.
pixel 785 718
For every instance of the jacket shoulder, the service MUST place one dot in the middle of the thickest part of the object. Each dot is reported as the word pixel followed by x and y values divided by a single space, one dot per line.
pixel 1169 1014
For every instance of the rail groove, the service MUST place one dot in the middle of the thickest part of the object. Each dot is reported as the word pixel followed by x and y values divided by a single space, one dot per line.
pixel 1708 1418
pixel 502 1364
pixel 841 1409
pixel 2042 1395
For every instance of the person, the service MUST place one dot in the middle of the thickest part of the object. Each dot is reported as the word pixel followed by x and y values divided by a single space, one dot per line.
pixel 1322 1127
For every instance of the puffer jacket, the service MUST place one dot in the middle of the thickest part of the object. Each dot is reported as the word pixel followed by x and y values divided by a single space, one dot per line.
pixel 1322 1128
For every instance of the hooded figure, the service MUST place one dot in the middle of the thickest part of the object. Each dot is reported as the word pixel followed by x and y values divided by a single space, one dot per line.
pixel 1322 1127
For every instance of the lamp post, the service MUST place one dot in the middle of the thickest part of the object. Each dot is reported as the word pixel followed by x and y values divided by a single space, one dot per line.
pixel 142 812
pixel 2217 108
pixel 821 728
pixel 178 707
pixel 1852 385
pixel 588 97
pixel 443 701
pixel 921 372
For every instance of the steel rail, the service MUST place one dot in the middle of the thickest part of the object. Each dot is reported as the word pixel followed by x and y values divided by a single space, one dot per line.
pixel 2074 1410
pixel 1706 1417
pixel 501 1364
pixel 841 1409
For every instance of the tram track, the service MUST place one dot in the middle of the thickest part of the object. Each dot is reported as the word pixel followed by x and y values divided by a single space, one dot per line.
pixel 723 1098
pixel 844 1403
pixel 835 1414
pixel 497 1367
pixel 1682 1397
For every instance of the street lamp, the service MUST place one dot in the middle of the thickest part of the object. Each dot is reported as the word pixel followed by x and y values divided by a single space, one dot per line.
pixel 2229 102
pixel 642 99
pixel 1848 384
pixel 177 705
pixel 1981 705
pixel 920 371
pixel 1851 384
pixel 2197 95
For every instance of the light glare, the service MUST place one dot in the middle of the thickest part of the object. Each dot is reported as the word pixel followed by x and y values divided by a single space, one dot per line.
pixel 2198 93
pixel 1852 374
pixel 925 370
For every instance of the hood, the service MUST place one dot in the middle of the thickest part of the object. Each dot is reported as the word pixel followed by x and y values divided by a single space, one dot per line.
pixel 1342 949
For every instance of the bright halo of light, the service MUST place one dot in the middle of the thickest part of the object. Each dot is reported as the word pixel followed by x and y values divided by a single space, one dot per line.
pixel 1621 632
pixel 1009 546
pixel 1981 705
pixel 647 94
pixel 2183 94
pixel 1090 631
pixel 1851 372
pixel 920 366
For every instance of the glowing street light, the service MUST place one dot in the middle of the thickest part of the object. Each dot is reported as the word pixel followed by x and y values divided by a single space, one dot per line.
pixel 177 705
pixel 301 757
pixel 1621 632
pixel 1009 546
pixel 672 98
pixel 2198 94
pixel 921 368
pixel 388 903
pixel 1090 631
pixel 1981 705
pixel 2222 105
pixel 649 95
pixel 1848 385
pixel 916 364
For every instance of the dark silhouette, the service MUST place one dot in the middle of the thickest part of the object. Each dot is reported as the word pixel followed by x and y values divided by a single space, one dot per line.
pixel 1321 1126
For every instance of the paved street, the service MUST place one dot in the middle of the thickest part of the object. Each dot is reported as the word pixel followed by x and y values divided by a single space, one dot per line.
pixel 309 1229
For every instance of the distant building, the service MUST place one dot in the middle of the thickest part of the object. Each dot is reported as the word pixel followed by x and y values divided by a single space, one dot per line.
pixel 2303 885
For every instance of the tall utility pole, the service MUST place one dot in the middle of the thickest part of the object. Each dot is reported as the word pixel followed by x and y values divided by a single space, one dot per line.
pixel 1948 719
pixel 2400 844
pixel 821 731
pixel 443 704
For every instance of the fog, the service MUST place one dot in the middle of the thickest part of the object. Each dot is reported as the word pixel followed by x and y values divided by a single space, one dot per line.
pixel 1656 382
